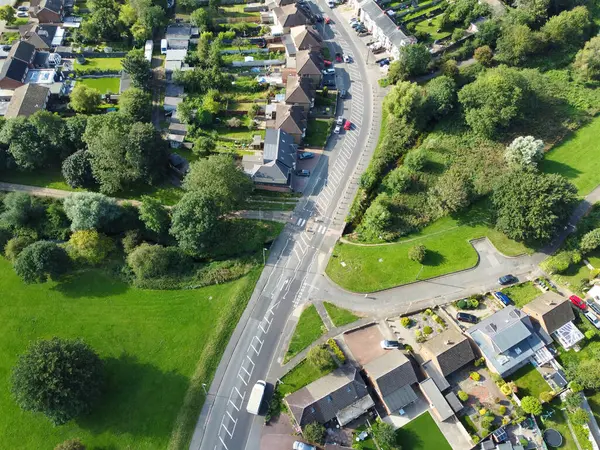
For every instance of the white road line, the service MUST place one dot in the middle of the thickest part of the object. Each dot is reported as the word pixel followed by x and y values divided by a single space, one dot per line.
pixel 335 177
pixel 303 240
pixel 241 378
pixel 303 222
pixel 297 255
pixel 222 442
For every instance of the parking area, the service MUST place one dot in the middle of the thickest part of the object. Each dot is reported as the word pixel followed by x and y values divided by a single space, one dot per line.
pixel 299 183
pixel 487 307
pixel 364 343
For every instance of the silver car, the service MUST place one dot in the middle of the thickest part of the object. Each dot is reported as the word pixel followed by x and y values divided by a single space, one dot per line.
pixel 302 446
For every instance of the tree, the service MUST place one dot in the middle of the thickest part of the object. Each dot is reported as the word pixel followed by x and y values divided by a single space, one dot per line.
pixel 404 100
pixel 212 101
pixel 136 105
pixel 103 24
pixel 412 61
pixel 579 417
pixel 385 434
pixel 20 210
pixel 546 396
pixel 440 96
pixel 73 130
pixel 536 10
pixel 417 253
pixel 516 43
pixel 154 215
pixel 16 245
pixel 457 34
pixel 590 241
pixel 71 444
pixel 41 261
pixel 85 99
pixel 314 432
pixel 587 61
pixel 239 43
pixel 450 69
pixel 568 28
pixel 77 170
pixel 61 379
pixel 489 32
pixel 452 192
pixel 532 206
pixel 572 401
pixel 531 405
pixel 90 247
pixel 525 151
pixel 201 19
pixel 90 210
pixel 138 68
pixel 7 13
pixel 398 180
pixel 203 145
pixel 149 262
pixel 220 178
pixel 377 219
pixel 586 373
pixel 195 222
pixel 319 357
pixel 415 160
pixel 496 99
pixel 484 55
pixel 29 150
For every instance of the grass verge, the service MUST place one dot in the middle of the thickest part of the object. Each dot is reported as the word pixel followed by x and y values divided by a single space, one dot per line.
pixel 309 329
pixel 523 293
pixel 339 316
pixel 302 375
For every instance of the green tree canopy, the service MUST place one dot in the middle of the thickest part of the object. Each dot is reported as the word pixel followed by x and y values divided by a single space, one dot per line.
pixel 136 105
pixel 587 61
pixel 77 170
pixel 154 215
pixel 20 210
pixel 590 241
pixel 61 379
pixel 412 61
pixel 7 13
pixel 319 357
pixel 531 405
pixel 525 151
pixel 41 261
pixel 516 43
pixel 90 210
pixel 29 150
pixel 150 262
pixel 314 432
pixel 90 247
pixel 405 100
pixel 440 96
pixel 138 68
pixel 568 28
pixel 85 99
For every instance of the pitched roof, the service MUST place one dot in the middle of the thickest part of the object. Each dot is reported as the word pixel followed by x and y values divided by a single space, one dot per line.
pixel 13 69
pixel 322 399
pixel 291 119
pixel 438 402
pixel 551 310
pixel 385 23
pixel 308 63
pixel 23 51
pixel 306 38
pixel 27 100
pixel 279 157
pixel 291 16
pixel 450 350
pixel 393 375
pixel 52 5
pixel 298 90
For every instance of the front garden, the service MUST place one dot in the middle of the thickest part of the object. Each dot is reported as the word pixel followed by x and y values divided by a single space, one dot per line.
pixel 309 328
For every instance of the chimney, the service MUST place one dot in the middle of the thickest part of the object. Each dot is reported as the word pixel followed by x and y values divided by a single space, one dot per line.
pixel 448 342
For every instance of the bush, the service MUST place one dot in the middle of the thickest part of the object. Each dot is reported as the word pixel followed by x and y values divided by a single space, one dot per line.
pixel 474 376
pixel 41 261
pixel 155 261
pixel 531 405
pixel 131 240
pixel 71 444
pixel 428 312
pixel 480 362
pixel 314 432
pixel 408 348
pixel 575 386
pixel 319 357
pixel 488 422
pixel 483 412
pixel 462 304
pixel 89 210
pixel 16 245
pixel 427 330
pixel 405 322
pixel 579 417
pixel 502 410
pixel 337 351
pixel 77 170
pixel 473 303
pixel 415 160
pixel 463 396
pixel 90 247
pixel 546 396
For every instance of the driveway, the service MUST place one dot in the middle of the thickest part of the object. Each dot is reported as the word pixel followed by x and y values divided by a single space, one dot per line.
pixel 364 344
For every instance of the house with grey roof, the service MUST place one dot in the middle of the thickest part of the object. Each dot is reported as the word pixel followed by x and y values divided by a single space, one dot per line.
pixel 289 16
pixel 18 62
pixel 42 36
pixel 437 402
pixel 306 38
pixel 554 314
pixel 27 100
pixel 273 167
pixel 48 11
pixel 340 396
pixel 292 120
pixel 509 340
pixel 445 354
pixel 306 64
pixel 392 376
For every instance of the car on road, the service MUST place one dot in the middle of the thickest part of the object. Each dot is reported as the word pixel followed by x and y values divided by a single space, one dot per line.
pixel 347 59
pixel 593 318
pixel 306 155
pixel 23 8
pixel 507 279
pixel 347 125
pixel 339 121
pixel 331 4
pixel 343 93
pixel 330 71
pixel 327 20
pixel 302 446
pixel 256 397
pixel 577 302
pixel 303 173
pixel 22 14
pixel 337 129
pixel 389 345
pixel 502 297
pixel 338 57
pixel 594 307
pixel 465 317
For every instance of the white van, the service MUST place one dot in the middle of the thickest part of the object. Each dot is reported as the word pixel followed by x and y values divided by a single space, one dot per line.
pixel 163 46
pixel 256 396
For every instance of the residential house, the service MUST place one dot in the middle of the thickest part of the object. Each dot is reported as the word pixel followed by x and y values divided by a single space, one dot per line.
pixel 275 3
pixel 392 376
pixel 178 36
pixel 42 36
pixel 554 314
pixel 292 120
pixel 174 60
pixel 383 28
pixel 437 402
pixel 306 38
pixel 27 100
pixel 444 354
pixel 509 340
pixel 48 11
pixel 305 64
pixel 289 16
pixel 272 168
pixel 338 397
pixel 14 71
pixel 299 92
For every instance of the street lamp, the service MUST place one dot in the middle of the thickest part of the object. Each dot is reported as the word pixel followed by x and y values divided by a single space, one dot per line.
pixel 264 257
pixel 204 387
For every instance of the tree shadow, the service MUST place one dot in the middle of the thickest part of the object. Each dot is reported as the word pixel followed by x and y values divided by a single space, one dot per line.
pixel 561 168
pixel 139 399
pixel 408 438
pixel 90 283
pixel 433 258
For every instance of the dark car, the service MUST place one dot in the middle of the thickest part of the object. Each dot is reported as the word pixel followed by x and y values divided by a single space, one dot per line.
pixel 464 317
pixel 507 279
pixel 306 155
pixel 502 297
pixel 303 173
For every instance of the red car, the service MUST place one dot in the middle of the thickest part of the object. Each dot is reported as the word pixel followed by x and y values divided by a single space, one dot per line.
pixel 577 302
pixel 338 57
pixel 327 19
pixel 326 62
pixel 347 125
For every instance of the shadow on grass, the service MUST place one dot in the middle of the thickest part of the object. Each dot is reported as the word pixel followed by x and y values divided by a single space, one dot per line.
pixel 550 166
pixel 408 438
pixel 138 399
pixel 90 283
pixel 433 258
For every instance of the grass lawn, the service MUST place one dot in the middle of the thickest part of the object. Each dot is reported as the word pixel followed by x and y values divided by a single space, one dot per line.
pixel 239 134
pixel 578 158
pixel 523 293
pixel 309 329
pixel 422 433
pixel 339 316
pixel 100 64
pixel 594 401
pixel 104 85
pixel 301 375
pixel 372 268
pixel 558 421
pixel 317 132
pixel 425 27
pixel 158 346
pixel 529 381
pixel 575 274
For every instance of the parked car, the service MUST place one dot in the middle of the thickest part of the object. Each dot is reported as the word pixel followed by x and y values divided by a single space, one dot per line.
pixel 465 317
pixel 592 318
pixel 339 121
pixel 384 62
pixel 331 4
pixel 338 57
pixel 23 8
pixel 327 62
pixel 347 58
pixel 303 173
pixel 577 302
pixel 389 345
pixel 337 129
pixel 347 125
pixel 360 29
pixel 343 93
pixel 356 24
pixel 22 14
pixel 327 20
pixel 352 20
pixel 306 155
pixel 330 71
pixel 502 297
pixel 378 50
pixel 318 18
pixel 594 307
pixel 507 279
pixel 302 446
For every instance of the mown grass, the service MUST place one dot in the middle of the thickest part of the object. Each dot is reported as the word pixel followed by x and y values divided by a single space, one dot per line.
pixel 309 329
pixel 558 421
pixel 317 132
pixel 100 64
pixel 104 85
pixel 523 293
pixel 529 382
pixel 339 316
pixel 422 433
pixel 302 375
pixel 158 347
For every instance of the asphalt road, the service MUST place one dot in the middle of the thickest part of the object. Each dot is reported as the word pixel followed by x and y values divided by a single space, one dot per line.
pixel 295 260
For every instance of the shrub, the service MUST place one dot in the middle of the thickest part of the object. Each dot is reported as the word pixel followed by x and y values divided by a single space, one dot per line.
pixel 524 442
pixel 439 320
pixel 415 160
pixel 427 330
pixel 481 361
pixel 408 348
pixel 428 312
pixel 90 210
pixel 463 396
pixel 546 396
pixel 314 432
pixel 41 261
pixel 16 245
pixel 417 253
pixel 488 422
pixel 462 304
pixel 531 405
pixel 337 351
pixel 90 247
pixel 77 170
pixel 473 303
pixel 405 322
pixel 502 410
pixel 483 412
pixel 579 417
pixel 155 261
pixel 319 357
pixel 71 444
pixel 575 386
pixel 505 389
pixel 131 240
pixel 474 376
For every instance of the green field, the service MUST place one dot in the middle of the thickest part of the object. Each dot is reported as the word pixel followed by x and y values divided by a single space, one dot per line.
pixel 578 158
pixel 104 85
pixel 523 293
pixel 422 433
pixel 317 132
pixel 529 382
pixel 309 329
pixel 339 316
pixel 425 27
pixel 157 346
pixel 376 267
pixel 100 64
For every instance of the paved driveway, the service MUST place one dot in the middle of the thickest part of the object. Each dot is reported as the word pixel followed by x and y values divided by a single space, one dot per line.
pixel 364 344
